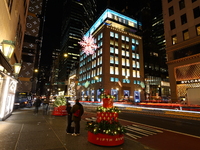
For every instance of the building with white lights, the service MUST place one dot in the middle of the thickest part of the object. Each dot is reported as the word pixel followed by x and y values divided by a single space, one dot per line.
pixel 182 34
pixel 117 64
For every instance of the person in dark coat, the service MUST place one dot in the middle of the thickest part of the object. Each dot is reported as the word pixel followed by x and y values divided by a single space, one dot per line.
pixel 77 111
pixel 69 119
pixel 37 104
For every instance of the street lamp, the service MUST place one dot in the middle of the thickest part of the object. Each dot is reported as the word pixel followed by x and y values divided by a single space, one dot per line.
pixel 35 70
pixel 17 68
pixel 7 48
pixel 65 55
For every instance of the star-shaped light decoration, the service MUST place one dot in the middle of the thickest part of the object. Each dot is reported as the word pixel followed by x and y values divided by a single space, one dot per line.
pixel 88 45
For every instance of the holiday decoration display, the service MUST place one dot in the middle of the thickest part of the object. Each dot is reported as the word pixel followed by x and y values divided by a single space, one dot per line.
pixel 88 45
pixel 59 106
pixel 106 130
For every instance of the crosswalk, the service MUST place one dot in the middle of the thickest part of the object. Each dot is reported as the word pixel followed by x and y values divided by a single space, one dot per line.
pixel 135 131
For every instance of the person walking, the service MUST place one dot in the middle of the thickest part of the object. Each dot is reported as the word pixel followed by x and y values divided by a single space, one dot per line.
pixel 37 104
pixel 77 111
pixel 69 119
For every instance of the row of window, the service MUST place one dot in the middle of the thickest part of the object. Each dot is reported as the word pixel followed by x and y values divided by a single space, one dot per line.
pixel 185 34
pixel 113 70
pixel 112 79
pixel 123 38
pixel 125 71
pixel 183 18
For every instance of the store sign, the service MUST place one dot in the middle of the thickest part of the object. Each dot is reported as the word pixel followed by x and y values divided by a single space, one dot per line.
pixel 188 81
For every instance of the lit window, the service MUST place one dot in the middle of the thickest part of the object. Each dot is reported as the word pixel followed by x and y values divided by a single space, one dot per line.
pixel 116 79
pixel 100 60
pixel 137 56
pixel 112 59
pixel 138 64
pixel 111 70
pixel 116 43
pixel 134 64
pixel 127 39
pixel 138 74
pixel 116 60
pixel 111 42
pixel 123 38
pixel 134 73
pixel 100 51
pixel 111 34
pixel 123 72
pixel 123 46
pixel 123 53
pixel 112 79
pixel 174 39
pixel 116 35
pixel 133 41
pixel 127 53
pixel 111 49
pixel 136 42
pixel 198 29
pixel 133 47
pixel 116 51
pixel 128 72
pixel 116 71
pixel 123 62
pixel 100 71
pixel 127 62
pixel 133 55
pixel 97 61
pixel 130 23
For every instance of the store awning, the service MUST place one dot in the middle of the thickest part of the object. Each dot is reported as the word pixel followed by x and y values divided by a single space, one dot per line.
pixel 4 62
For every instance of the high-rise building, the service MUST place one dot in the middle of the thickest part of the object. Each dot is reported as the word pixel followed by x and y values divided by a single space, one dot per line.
pixel 78 15
pixel 12 22
pixel 31 51
pixel 182 30
pixel 117 64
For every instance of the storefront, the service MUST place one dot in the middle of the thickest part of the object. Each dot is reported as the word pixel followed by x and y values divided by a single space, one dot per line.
pixel 7 89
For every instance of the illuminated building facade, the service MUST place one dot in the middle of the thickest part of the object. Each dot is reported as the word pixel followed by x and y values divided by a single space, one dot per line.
pixel 182 34
pixel 12 27
pixel 117 64
pixel 31 50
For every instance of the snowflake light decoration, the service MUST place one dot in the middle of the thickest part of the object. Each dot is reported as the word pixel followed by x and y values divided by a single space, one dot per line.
pixel 88 45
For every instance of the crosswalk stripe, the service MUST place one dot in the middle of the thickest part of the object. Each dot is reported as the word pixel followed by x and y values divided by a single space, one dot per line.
pixel 137 132
pixel 147 128
pixel 141 130
pixel 132 135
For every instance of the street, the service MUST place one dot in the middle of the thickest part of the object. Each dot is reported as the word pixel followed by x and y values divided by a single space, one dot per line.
pixel 160 131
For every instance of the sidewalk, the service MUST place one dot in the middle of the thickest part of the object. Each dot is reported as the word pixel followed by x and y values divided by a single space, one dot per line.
pixel 25 131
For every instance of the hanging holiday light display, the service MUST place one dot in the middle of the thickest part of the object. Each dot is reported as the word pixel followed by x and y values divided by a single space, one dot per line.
pixel 88 45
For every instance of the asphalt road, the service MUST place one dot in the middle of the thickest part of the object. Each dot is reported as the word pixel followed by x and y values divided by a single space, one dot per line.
pixel 170 122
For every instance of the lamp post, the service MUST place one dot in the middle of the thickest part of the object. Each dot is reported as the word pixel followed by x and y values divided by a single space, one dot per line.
pixel 7 48
pixel 17 68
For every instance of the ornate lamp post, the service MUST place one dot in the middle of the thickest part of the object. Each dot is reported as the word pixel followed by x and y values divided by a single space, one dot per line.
pixel 17 68
pixel 7 48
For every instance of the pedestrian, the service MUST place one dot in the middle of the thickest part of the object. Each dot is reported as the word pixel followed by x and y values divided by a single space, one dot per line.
pixel 37 104
pixel 77 111
pixel 69 119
